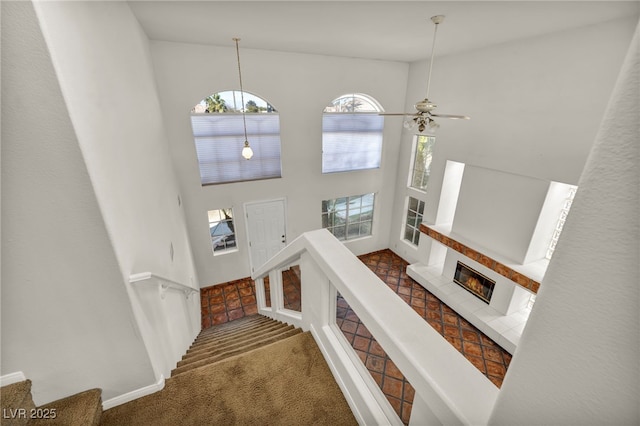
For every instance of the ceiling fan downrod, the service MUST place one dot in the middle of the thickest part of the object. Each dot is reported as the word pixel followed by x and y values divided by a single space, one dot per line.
pixel 436 20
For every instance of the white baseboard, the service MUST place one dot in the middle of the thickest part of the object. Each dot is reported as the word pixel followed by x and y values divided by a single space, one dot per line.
pixel 134 394
pixel 11 378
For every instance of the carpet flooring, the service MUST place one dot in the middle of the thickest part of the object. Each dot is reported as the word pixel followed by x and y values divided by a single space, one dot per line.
pixel 284 383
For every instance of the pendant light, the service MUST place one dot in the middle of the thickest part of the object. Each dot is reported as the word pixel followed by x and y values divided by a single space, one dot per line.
pixel 247 152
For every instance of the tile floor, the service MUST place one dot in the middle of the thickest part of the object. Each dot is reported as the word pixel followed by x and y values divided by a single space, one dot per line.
pixel 227 302
pixel 235 299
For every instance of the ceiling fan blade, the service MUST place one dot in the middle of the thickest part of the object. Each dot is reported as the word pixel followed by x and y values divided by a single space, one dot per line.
pixel 455 117
pixel 397 113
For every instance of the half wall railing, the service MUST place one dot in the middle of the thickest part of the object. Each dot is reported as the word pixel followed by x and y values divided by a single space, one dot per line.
pixel 448 388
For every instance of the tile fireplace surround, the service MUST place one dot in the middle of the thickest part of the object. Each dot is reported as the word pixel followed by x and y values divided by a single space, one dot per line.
pixel 504 326
pixel 494 265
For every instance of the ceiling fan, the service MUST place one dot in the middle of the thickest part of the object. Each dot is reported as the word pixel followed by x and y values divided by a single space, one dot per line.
pixel 423 118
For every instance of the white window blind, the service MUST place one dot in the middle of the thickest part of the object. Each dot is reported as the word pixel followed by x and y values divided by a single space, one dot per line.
pixel 351 141
pixel 219 139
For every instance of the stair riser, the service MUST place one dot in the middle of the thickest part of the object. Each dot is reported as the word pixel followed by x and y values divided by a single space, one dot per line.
pixel 236 323
pixel 248 339
pixel 211 360
pixel 230 346
pixel 231 325
pixel 206 334
pixel 263 329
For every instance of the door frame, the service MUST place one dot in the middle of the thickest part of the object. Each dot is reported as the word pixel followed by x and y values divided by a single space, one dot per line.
pixel 248 231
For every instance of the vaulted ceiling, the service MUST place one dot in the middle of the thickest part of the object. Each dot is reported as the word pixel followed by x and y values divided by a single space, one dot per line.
pixel 386 30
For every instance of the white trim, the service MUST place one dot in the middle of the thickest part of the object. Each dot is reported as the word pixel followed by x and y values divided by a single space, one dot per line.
pixel 458 394
pixel 248 231
pixel 11 378
pixel 134 394
pixel 356 387
pixel 164 284
pixel 290 317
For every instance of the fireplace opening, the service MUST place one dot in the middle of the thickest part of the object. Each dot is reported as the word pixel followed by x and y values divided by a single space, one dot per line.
pixel 474 282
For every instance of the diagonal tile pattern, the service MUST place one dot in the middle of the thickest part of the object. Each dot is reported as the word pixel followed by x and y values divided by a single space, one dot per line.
pixel 481 351
pixel 233 300
pixel 236 299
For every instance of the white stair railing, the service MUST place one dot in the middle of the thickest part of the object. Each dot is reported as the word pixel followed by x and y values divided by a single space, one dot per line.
pixel 163 283
pixel 448 388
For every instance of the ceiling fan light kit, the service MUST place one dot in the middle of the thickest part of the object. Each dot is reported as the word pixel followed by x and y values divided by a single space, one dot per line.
pixel 423 118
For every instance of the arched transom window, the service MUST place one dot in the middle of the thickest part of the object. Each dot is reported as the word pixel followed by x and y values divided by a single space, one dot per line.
pixel 352 134
pixel 218 133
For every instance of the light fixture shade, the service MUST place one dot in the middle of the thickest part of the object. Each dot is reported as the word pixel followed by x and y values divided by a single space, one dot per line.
pixel 409 123
pixel 247 152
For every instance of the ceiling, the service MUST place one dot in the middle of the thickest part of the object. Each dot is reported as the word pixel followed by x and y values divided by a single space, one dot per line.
pixel 386 30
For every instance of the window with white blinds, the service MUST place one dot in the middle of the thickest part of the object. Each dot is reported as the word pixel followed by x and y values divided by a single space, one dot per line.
pixel 219 139
pixel 351 134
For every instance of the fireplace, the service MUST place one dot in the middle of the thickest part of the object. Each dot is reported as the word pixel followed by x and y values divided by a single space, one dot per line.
pixel 474 282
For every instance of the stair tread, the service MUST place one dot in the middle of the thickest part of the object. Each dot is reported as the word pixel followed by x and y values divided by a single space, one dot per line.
pixel 213 349
pixel 13 395
pixel 81 409
pixel 236 333
pixel 241 335
pixel 231 324
pixel 231 327
pixel 231 347
pixel 213 359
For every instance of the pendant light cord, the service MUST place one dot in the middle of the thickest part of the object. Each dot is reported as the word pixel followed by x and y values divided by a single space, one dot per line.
pixel 244 121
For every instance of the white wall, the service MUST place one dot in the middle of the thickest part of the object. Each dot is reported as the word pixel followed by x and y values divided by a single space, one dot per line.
pixel 534 104
pixel 67 322
pixel 103 63
pixel 299 86
pixel 499 211
pixel 102 60
pixel 578 357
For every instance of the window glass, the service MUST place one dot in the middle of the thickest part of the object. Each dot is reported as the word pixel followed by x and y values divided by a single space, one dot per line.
pixel 422 161
pixel 564 212
pixel 415 210
pixel 218 131
pixel 222 230
pixel 351 134
pixel 348 217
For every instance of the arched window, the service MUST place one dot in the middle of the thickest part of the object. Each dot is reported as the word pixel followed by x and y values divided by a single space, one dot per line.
pixel 352 134
pixel 218 133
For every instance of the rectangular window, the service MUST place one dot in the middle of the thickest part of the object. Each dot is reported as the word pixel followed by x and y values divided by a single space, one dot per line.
pixel 422 162
pixel 415 210
pixel 564 212
pixel 222 230
pixel 348 217
pixel 351 141
pixel 219 139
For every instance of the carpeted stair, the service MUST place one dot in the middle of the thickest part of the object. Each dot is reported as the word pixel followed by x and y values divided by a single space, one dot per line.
pixel 251 371
pixel 18 408
pixel 232 339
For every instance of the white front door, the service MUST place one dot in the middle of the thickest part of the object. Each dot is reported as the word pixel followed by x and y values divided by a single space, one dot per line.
pixel 266 229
